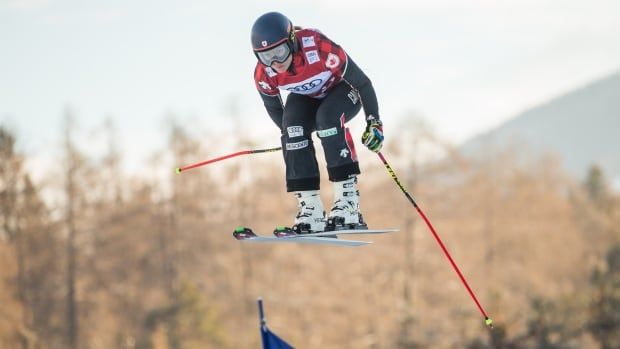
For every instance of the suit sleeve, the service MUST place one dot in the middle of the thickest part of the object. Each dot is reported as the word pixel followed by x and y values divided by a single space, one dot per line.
pixel 274 107
pixel 270 95
pixel 340 64
pixel 356 78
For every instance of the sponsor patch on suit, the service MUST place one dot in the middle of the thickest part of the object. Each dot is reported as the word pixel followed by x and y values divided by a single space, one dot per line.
pixel 297 145
pixel 312 56
pixel 326 133
pixel 307 41
pixel 295 131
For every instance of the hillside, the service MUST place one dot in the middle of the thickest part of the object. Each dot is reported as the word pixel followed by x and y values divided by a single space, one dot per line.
pixel 581 126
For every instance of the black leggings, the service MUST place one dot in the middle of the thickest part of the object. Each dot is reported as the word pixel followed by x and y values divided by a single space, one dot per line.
pixel 304 115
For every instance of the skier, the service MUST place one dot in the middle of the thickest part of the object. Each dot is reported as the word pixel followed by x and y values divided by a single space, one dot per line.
pixel 327 89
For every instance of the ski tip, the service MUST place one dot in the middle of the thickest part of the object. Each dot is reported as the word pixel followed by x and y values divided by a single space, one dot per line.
pixel 489 322
pixel 177 170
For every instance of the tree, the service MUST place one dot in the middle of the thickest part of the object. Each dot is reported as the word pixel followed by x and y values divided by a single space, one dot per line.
pixel 40 248
pixel 74 199
pixel 33 237
pixel 189 322
pixel 11 318
pixel 605 309
pixel 596 186
pixel 10 173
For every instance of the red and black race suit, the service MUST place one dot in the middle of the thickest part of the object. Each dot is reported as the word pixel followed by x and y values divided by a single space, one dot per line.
pixel 327 89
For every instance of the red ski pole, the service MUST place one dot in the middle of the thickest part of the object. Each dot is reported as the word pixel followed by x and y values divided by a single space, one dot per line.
pixel 243 152
pixel 487 320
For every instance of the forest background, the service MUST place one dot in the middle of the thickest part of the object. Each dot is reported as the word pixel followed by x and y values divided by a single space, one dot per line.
pixel 94 259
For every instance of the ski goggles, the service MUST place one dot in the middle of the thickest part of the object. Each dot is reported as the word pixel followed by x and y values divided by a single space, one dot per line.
pixel 277 54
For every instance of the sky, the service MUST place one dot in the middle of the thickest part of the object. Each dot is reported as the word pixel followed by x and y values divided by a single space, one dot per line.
pixel 465 66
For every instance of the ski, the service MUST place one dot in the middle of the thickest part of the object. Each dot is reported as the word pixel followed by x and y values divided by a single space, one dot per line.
pixel 247 235
pixel 346 232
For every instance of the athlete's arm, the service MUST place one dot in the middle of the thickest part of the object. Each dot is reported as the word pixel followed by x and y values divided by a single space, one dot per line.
pixel 269 94
pixel 274 107
pixel 355 77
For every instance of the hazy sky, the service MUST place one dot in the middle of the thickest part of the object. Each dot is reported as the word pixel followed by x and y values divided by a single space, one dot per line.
pixel 466 66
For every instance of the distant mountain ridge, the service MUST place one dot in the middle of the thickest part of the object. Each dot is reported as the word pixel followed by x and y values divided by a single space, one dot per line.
pixel 582 126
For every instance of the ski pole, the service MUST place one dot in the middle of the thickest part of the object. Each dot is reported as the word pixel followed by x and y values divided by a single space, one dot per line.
pixel 243 152
pixel 487 320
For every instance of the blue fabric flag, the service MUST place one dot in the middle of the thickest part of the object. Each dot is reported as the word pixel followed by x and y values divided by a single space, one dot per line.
pixel 270 339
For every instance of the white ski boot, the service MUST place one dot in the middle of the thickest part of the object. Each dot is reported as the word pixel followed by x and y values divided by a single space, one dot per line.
pixel 345 214
pixel 311 215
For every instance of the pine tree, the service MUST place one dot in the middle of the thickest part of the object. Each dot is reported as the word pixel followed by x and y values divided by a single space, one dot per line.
pixel 596 186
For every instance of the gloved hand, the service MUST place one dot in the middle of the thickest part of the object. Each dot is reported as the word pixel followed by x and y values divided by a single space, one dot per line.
pixel 373 134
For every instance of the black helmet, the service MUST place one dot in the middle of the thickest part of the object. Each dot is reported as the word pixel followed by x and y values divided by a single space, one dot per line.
pixel 270 30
